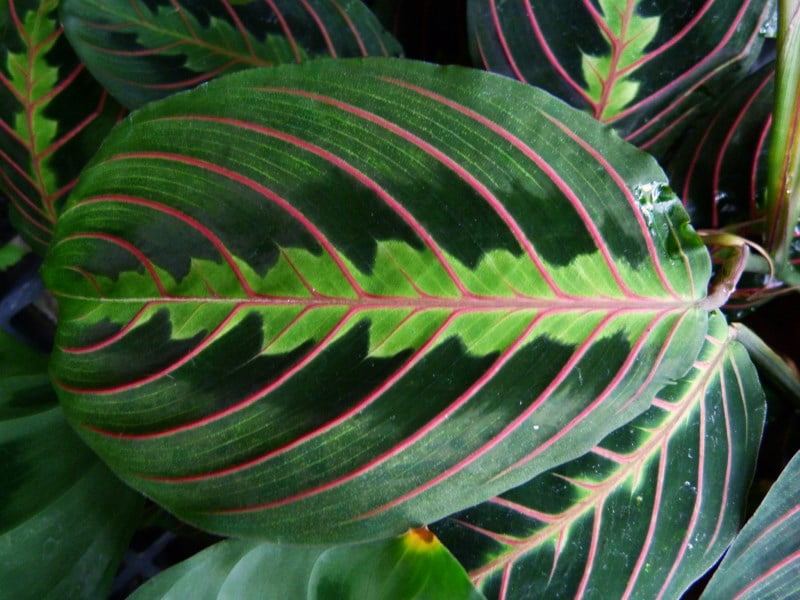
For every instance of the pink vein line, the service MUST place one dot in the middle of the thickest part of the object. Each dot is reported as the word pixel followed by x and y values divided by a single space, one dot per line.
pixel 446 160
pixel 187 220
pixel 726 143
pixel 542 164
pixel 358 175
pixel 689 73
pixel 690 529
pixel 762 140
pixel 77 129
pixel 505 581
pixel 503 43
pixel 321 26
pixel 781 565
pixel 114 338
pixel 239 27
pixel 665 132
pixel 344 417
pixel 507 354
pixel 509 429
pixel 621 374
pixel 524 510
pixel 352 28
pixel 591 557
pixel 312 354
pixel 138 254
pixel 729 454
pixel 210 338
pixel 553 59
pixel 634 205
pixel 286 29
pixel 24 198
pixel 777 523
pixel 260 189
pixel 687 184
pixel 651 530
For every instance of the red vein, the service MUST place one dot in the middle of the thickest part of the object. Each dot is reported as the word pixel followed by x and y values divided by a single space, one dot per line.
pixel 446 160
pixel 360 176
pixel 323 30
pixel 263 191
pixel 504 43
pixel 352 28
pixel 728 461
pixel 763 577
pixel 239 27
pixel 591 557
pixel 189 222
pixel 287 31
pixel 716 174
pixel 112 339
pixel 524 510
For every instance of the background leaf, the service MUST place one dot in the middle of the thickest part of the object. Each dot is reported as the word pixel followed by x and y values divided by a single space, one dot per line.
pixel 334 301
pixel 65 519
pixel 415 565
pixel 645 513
pixel 764 561
pixel 145 50
pixel 631 63
pixel 53 116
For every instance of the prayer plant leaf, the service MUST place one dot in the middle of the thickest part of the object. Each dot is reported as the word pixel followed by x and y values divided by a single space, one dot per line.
pixel 764 561
pixel 143 50
pixel 415 565
pixel 329 302
pixel 644 514
pixel 53 115
pixel 636 64
pixel 61 509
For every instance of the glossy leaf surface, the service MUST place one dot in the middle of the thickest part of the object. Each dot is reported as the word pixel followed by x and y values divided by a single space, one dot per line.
pixel 764 561
pixel 645 513
pixel 334 301
pixel 144 50
pixel 53 115
pixel 415 565
pixel 65 520
pixel 632 63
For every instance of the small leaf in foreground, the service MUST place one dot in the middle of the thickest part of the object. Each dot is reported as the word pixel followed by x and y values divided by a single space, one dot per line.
pixel 330 302
pixel 764 560
pixel 415 565
pixel 142 50
pixel 645 513
pixel 65 519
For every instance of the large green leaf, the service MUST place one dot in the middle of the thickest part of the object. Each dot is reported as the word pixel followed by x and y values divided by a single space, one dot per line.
pixel 333 301
pixel 415 565
pixel 65 519
pixel 645 513
pixel 143 50
pixel 633 63
pixel 53 115
pixel 764 561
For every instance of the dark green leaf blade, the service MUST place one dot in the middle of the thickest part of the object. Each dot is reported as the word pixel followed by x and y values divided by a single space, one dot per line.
pixel 330 302
pixel 643 515
pixel 631 63
pixel 65 519
pixel 764 560
pixel 144 51
pixel 53 115
pixel 415 565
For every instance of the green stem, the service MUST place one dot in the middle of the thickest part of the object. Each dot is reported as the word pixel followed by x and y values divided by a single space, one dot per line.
pixel 772 365
pixel 783 187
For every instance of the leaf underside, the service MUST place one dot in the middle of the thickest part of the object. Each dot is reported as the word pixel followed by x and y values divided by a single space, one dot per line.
pixel 143 50
pixel 645 67
pixel 53 115
pixel 333 301
pixel 644 514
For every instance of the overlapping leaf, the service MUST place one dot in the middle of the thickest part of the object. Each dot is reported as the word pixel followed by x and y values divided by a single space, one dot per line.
pixel 143 50
pixel 53 115
pixel 415 565
pixel 643 515
pixel 634 64
pixel 65 520
pixel 764 561
pixel 329 302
